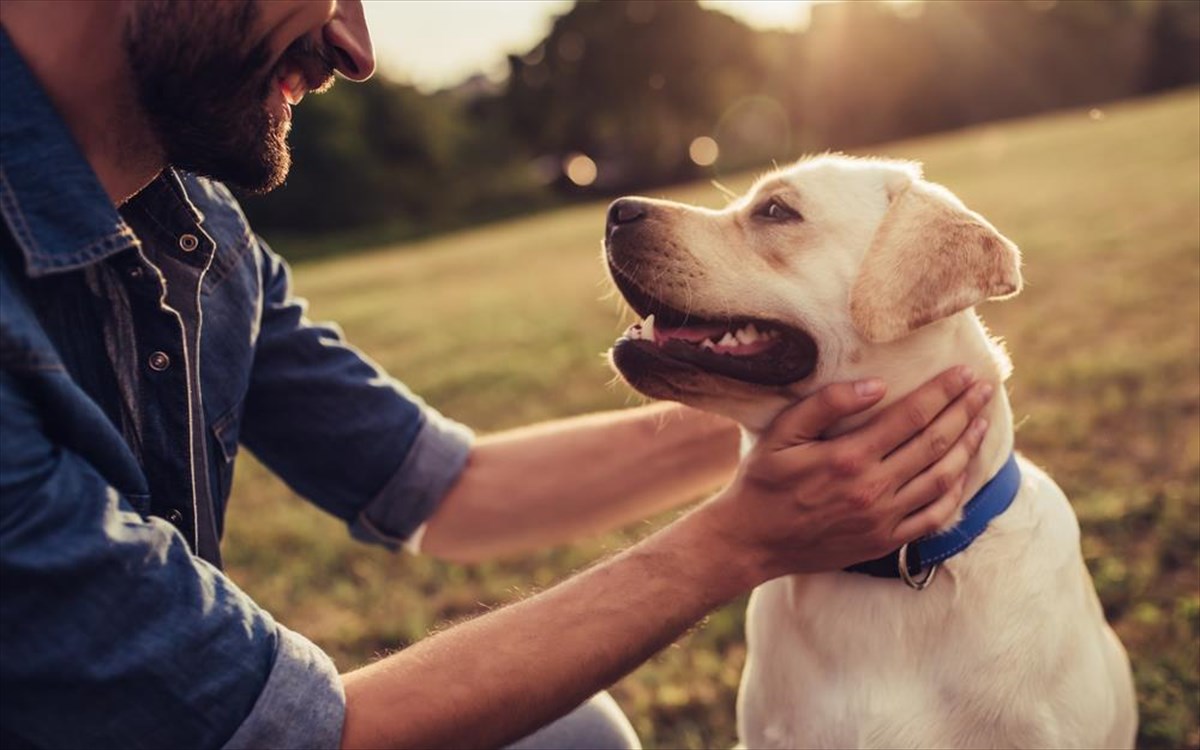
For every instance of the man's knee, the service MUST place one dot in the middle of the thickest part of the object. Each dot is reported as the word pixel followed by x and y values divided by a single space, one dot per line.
pixel 598 724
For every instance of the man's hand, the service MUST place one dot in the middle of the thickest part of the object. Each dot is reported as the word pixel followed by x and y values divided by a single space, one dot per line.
pixel 802 504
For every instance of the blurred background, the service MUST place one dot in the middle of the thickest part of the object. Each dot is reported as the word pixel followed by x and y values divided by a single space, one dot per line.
pixel 448 214
pixel 491 109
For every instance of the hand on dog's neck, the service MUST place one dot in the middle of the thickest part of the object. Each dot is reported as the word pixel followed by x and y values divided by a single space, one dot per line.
pixel 907 363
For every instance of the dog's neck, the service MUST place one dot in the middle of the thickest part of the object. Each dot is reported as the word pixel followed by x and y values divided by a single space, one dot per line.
pixel 906 364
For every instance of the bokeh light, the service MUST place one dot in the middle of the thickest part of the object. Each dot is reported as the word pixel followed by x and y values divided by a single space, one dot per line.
pixel 704 151
pixel 580 169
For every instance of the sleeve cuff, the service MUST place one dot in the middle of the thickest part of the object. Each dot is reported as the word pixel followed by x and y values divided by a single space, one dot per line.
pixel 302 705
pixel 396 516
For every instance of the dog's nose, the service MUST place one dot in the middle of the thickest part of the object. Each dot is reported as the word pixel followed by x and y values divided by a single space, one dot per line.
pixel 625 211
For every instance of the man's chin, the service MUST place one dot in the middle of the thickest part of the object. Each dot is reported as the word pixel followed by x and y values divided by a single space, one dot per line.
pixel 270 175
pixel 252 169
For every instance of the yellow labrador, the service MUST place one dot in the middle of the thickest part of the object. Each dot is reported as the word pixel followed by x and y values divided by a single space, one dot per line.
pixel 837 269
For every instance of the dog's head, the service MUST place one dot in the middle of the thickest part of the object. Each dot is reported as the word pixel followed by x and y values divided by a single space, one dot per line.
pixel 799 283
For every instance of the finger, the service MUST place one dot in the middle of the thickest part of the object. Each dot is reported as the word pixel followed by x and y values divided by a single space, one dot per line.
pixel 932 517
pixel 928 447
pixel 940 478
pixel 805 421
pixel 897 423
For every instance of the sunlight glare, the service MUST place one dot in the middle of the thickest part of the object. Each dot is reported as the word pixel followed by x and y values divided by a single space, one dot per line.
pixel 766 14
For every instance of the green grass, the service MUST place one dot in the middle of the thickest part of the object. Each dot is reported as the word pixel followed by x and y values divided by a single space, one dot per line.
pixel 505 324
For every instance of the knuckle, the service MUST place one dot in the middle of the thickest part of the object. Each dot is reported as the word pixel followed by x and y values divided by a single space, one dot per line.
pixel 937 442
pixel 860 498
pixel 952 383
pixel 863 495
pixel 915 416
pixel 846 462
pixel 976 400
pixel 944 480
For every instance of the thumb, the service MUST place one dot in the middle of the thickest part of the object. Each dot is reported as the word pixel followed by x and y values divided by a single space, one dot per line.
pixel 805 421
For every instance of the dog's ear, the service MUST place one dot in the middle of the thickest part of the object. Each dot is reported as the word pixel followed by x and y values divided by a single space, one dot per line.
pixel 930 258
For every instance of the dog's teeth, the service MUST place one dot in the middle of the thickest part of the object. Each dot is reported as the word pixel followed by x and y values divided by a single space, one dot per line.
pixel 648 328
pixel 635 332
pixel 747 335
pixel 707 345
pixel 728 340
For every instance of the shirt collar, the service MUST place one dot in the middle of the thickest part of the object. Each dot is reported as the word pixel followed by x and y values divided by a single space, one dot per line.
pixel 51 200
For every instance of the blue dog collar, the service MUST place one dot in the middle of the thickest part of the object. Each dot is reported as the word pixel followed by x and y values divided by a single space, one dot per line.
pixel 908 561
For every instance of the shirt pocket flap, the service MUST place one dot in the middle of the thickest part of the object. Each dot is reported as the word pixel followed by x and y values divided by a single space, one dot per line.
pixel 226 431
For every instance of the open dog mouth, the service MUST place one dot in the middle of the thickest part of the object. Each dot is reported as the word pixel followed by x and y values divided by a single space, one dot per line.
pixel 753 350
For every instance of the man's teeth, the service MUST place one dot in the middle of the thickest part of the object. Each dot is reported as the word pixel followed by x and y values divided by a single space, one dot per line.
pixel 292 86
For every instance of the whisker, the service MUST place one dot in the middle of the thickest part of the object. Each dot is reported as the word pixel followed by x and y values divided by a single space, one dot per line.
pixel 724 190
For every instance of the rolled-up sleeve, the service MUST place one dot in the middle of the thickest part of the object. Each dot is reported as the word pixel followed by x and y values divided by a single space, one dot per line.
pixel 340 431
pixel 302 705
pixel 113 635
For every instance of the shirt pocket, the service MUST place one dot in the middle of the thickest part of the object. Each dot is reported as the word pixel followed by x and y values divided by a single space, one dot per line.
pixel 224 450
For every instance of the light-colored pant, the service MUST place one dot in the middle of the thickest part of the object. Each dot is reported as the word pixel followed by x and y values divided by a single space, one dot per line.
pixel 599 724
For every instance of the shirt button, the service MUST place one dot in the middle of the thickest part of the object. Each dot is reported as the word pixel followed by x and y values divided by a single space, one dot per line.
pixel 136 273
pixel 159 361
pixel 175 517
pixel 188 243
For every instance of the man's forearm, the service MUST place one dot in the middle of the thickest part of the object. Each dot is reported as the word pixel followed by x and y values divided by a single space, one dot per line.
pixel 501 676
pixel 530 488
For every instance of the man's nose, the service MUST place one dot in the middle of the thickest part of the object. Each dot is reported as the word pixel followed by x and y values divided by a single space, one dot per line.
pixel 347 34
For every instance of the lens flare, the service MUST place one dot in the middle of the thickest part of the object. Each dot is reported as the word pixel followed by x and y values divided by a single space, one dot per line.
pixel 580 169
pixel 704 151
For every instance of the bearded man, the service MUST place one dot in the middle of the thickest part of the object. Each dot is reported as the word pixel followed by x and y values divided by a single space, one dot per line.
pixel 146 332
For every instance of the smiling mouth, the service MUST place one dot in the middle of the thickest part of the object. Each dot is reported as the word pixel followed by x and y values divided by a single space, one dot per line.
pixel 748 349
pixel 305 67
pixel 292 86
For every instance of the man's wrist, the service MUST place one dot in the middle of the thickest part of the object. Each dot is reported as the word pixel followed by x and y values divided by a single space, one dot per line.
pixel 732 564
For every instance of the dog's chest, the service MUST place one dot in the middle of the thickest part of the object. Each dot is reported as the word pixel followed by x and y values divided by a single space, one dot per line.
pixel 842 660
pixel 845 660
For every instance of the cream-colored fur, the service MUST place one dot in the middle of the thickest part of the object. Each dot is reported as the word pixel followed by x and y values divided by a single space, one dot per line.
pixel 1009 646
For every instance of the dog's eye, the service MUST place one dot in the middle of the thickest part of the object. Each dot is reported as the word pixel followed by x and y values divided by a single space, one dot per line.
pixel 777 210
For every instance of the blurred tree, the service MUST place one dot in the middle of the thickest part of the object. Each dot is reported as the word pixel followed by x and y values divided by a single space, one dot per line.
pixel 631 84
pixel 1175 39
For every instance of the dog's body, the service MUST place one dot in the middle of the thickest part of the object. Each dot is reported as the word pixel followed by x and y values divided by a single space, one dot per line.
pixel 1010 649
pixel 867 270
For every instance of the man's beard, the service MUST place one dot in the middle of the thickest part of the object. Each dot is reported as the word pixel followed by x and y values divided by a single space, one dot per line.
pixel 203 86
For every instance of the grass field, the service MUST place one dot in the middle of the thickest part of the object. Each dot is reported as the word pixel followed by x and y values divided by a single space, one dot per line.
pixel 505 324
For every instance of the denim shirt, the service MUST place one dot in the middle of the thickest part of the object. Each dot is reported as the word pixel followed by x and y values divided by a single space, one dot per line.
pixel 138 349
